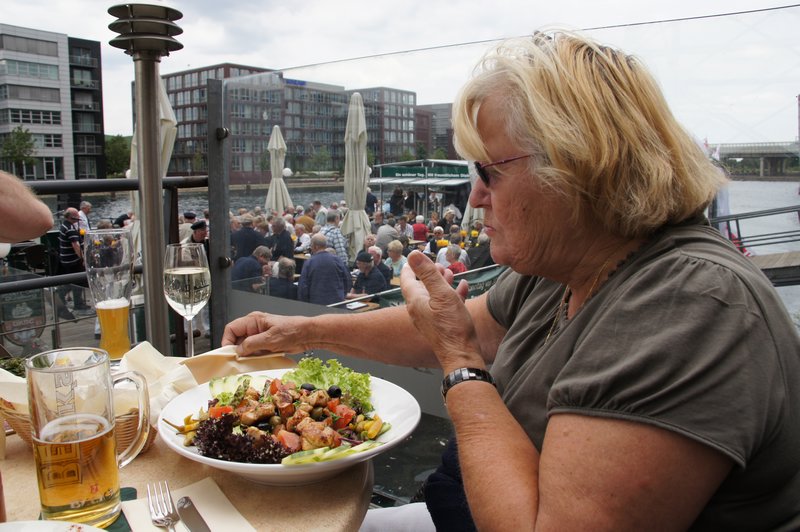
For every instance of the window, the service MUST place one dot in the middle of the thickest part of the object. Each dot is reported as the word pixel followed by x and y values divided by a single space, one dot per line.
pixel 46 140
pixel 25 69
pixel 50 167
pixel 29 116
pixel 23 92
pixel 87 168
pixel 28 46
pixel 82 78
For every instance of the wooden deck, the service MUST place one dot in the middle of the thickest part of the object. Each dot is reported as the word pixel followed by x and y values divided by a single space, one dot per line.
pixel 783 269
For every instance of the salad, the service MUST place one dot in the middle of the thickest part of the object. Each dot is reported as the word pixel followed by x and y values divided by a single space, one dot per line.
pixel 314 413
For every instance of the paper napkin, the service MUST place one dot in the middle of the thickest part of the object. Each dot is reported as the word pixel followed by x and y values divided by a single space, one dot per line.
pixel 212 504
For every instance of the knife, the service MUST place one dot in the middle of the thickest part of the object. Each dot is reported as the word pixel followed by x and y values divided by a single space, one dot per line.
pixel 190 516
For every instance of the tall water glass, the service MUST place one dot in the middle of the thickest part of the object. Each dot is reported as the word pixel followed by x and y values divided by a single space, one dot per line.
pixel 109 267
pixel 187 283
pixel 72 424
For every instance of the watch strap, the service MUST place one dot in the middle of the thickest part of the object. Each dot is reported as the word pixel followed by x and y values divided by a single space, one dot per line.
pixel 463 375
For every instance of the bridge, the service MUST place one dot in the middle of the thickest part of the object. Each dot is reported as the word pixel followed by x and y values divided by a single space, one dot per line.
pixel 773 156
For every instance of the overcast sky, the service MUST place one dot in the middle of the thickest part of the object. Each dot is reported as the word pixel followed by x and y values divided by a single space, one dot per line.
pixel 728 79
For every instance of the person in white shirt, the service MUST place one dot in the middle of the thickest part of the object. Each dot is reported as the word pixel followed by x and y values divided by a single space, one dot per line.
pixel 83 213
pixel 440 255
pixel 303 242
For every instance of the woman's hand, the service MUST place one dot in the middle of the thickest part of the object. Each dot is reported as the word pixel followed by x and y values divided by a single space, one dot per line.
pixel 260 332
pixel 438 312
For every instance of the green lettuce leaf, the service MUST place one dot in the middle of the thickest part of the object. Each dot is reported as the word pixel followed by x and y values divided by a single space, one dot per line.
pixel 315 371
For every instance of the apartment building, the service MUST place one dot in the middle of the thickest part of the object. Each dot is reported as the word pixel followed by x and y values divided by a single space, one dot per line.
pixel 312 117
pixel 441 128
pixel 51 86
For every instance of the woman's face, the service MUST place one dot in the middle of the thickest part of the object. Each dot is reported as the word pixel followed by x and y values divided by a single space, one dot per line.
pixel 527 223
pixel 394 254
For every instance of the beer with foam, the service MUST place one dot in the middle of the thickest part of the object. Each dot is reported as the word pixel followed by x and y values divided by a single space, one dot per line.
pixel 113 316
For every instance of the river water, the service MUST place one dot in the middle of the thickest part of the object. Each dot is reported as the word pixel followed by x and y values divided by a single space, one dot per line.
pixel 744 196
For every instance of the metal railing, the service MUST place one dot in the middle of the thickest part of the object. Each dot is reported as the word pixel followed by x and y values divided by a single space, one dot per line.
pixel 732 224
pixel 171 186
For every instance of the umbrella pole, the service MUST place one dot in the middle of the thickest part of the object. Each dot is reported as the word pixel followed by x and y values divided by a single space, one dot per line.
pixel 150 197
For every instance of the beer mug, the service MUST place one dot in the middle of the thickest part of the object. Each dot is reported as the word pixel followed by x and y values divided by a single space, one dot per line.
pixel 72 427
pixel 109 267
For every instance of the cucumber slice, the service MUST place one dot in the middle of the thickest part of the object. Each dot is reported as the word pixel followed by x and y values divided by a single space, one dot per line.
pixel 366 446
pixel 343 450
pixel 305 457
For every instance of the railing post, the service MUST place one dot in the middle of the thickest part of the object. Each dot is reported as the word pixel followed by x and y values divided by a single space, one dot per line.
pixel 218 203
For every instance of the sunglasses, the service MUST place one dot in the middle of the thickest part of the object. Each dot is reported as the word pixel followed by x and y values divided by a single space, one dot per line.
pixel 481 168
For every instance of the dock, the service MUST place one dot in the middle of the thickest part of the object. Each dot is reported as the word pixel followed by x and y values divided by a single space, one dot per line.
pixel 782 269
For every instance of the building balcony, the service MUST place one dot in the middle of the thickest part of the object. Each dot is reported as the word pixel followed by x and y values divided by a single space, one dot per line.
pixel 93 106
pixel 84 84
pixel 86 128
pixel 88 150
pixel 83 61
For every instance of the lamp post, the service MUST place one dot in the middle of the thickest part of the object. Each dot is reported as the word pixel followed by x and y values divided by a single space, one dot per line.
pixel 146 33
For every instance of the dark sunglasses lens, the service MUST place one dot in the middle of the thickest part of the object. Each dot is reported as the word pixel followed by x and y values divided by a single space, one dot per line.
pixel 481 171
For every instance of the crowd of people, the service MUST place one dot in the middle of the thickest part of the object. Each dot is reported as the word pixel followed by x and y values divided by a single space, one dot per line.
pixel 311 240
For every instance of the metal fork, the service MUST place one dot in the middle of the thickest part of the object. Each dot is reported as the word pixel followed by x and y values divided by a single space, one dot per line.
pixel 162 509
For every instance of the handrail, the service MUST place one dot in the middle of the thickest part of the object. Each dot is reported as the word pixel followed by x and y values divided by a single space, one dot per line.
pixel 62 186
pixel 394 290
pixel 47 281
pixel 754 214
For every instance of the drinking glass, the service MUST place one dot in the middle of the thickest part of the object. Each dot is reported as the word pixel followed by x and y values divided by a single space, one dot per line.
pixel 72 426
pixel 109 267
pixel 187 283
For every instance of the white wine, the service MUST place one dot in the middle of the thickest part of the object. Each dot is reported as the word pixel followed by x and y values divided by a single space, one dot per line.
pixel 187 289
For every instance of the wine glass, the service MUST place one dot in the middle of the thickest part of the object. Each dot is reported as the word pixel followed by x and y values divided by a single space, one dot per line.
pixel 187 283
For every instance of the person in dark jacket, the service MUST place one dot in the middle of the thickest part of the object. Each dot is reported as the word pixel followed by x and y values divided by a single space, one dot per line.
pixel 370 280
pixel 324 278
pixel 480 255
pixel 280 241
pixel 247 273
pixel 246 239
pixel 283 285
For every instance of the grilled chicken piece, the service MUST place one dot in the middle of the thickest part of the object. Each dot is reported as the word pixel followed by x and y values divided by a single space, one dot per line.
pixel 285 403
pixel 296 418
pixel 258 412
pixel 316 434
pixel 257 435
pixel 316 398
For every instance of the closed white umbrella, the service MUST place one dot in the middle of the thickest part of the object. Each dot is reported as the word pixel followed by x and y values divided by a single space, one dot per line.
pixel 278 195
pixel 356 176
pixel 167 131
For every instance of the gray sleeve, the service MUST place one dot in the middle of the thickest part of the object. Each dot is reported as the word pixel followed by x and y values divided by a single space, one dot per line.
pixel 652 352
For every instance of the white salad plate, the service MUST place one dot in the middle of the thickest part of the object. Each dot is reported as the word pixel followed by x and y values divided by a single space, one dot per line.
pixel 391 402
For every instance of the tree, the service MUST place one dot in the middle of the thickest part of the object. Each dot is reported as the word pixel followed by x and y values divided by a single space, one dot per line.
pixel 118 155
pixel 422 153
pixel 407 156
pixel 439 153
pixel 321 160
pixel 19 149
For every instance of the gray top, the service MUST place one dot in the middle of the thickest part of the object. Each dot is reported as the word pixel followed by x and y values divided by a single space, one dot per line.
pixel 686 335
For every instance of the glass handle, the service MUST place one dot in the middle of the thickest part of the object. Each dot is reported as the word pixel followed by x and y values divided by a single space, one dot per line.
pixel 143 424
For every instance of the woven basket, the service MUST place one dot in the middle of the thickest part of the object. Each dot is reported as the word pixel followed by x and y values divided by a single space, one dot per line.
pixel 125 430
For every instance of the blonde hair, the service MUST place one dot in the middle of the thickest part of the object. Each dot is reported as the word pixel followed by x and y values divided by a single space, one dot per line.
pixel 395 245
pixel 598 128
